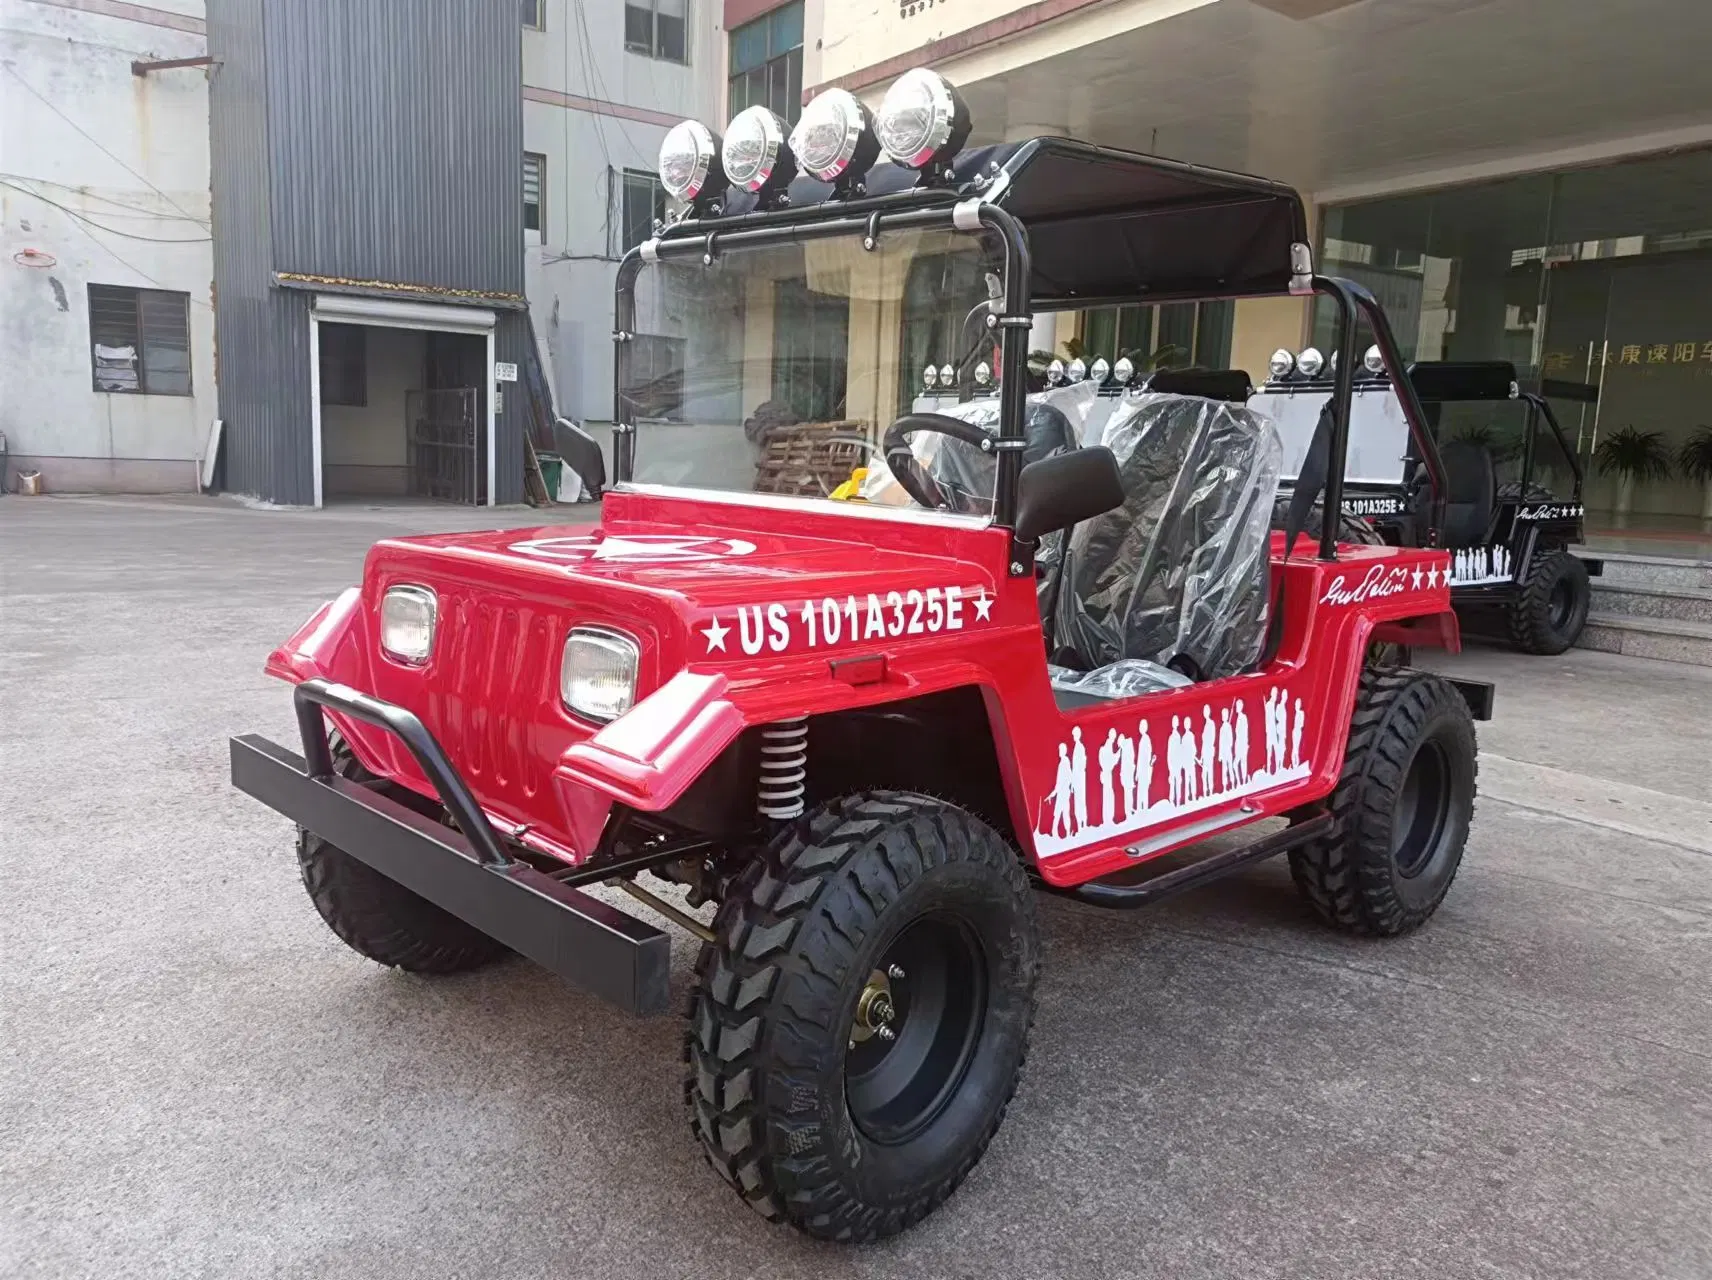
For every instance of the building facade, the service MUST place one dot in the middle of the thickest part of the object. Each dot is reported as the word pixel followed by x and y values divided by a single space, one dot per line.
pixel 602 83
pixel 106 309
pixel 1518 179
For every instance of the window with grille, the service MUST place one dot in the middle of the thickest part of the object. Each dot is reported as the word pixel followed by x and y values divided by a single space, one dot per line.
pixel 644 203
pixel 344 364
pixel 139 340
pixel 1173 336
pixel 657 29
pixel 534 179
pixel 766 63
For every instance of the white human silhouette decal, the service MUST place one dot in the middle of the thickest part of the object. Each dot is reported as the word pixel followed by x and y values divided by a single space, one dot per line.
pixel 1108 757
pixel 1204 765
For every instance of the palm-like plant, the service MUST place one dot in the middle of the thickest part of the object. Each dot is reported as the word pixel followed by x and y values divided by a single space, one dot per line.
pixel 1632 456
pixel 1694 460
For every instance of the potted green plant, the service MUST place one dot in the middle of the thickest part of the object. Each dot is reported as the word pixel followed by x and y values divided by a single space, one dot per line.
pixel 1632 456
pixel 1694 460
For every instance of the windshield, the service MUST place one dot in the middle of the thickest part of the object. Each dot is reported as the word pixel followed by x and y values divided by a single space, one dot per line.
pixel 777 369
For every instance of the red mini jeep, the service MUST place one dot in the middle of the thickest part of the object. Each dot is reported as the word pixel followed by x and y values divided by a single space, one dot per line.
pixel 1013 658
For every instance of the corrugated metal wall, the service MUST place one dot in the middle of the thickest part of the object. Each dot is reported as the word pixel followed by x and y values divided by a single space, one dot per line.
pixel 261 357
pixel 376 143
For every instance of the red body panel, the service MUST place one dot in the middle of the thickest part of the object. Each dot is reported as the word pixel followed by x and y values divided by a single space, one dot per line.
pixel 745 609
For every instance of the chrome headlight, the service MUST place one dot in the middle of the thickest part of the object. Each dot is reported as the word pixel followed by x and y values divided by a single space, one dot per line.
pixel 834 139
pixel 930 377
pixel 947 375
pixel 407 617
pixel 983 374
pixel 1077 370
pixel 1055 371
pixel 1374 361
pixel 597 675
pixel 1310 362
pixel 922 119
pixel 1124 370
pixel 1282 365
pixel 1100 371
pixel 689 161
pixel 756 155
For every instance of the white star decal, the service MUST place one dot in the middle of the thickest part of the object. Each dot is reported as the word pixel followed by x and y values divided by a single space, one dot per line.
pixel 716 632
pixel 1418 576
pixel 983 605
pixel 644 548
pixel 1433 577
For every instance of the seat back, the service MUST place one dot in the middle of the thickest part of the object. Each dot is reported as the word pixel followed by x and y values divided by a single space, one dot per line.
pixel 1471 490
pixel 1178 574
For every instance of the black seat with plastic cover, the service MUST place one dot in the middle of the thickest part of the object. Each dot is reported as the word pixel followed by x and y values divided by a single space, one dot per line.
pixel 1177 575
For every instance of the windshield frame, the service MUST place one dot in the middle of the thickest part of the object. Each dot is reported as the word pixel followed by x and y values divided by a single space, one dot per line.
pixel 864 220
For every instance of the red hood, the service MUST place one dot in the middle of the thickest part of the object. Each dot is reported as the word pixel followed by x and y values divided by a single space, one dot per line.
pixel 710 553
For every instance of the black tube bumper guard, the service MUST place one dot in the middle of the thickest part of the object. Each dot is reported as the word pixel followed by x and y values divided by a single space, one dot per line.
pixel 465 871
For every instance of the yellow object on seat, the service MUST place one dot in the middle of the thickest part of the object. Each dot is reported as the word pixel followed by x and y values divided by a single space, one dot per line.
pixel 851 489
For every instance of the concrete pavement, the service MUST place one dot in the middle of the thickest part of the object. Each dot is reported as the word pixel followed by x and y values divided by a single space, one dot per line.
pixel 198 1079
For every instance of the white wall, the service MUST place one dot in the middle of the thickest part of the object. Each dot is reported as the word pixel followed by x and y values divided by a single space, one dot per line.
pixel 569 277
pixel 135 217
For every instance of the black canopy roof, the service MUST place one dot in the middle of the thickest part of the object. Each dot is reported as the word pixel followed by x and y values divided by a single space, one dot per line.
pixel 1102 224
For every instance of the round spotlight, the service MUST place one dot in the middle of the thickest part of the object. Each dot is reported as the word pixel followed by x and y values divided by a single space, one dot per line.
pixel 947 376
pixel 1124 370
pixel 1055 372
pixel 689 162
pixel 834 140
pixel 922 121
pixel 1310 362
pixel 1374 362
pixel 1281 366
pixel 930 377
pixel 1100 371
pixel 1077 370
pixel 983 374
pixel 757 156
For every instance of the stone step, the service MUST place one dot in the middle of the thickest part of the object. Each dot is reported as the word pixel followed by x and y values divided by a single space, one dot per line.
pixel 1685 604
pixel 1668 639
pixel 1624 568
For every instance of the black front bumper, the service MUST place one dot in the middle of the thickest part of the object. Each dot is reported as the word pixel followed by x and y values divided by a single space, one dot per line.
pixel 465 871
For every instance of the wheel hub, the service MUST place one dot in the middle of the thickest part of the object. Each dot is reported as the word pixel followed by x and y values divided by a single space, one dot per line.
pixel 914 1029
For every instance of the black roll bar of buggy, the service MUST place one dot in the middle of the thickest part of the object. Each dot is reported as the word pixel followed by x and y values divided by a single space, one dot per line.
pixel 1350 297
pixel 1538 405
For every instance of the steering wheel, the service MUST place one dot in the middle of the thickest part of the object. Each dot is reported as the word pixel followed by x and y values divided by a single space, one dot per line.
pixel 910 474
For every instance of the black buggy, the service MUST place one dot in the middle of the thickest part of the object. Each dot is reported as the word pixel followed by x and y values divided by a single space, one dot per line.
pixel 1486 473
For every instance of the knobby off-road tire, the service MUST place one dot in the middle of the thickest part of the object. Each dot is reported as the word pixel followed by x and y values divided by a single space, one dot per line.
pixel 1403 804
pixel 1551 606
pixel 378 917
pixel 789 1089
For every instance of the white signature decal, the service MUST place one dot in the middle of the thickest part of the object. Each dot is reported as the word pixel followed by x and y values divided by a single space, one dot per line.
pixel 818 624
pixel 1381 581
pixel 1551 511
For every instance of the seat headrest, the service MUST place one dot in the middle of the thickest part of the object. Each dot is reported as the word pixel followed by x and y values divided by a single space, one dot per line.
pixel 1231 385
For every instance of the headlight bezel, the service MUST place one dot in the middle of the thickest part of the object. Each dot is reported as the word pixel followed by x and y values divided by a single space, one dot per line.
pixel 706 176
pixel 1282 364
pixel 422 597
pixel 614 641
pixel 1310 363
pixel 947 125
pixel 846 117
pixel 774 164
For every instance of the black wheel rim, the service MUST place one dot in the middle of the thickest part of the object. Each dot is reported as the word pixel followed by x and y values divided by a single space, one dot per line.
pixel 1422 817
pixel 929 992
pixel 1561 604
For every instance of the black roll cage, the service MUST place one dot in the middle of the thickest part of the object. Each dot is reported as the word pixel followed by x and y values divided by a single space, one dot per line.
pixel 970 207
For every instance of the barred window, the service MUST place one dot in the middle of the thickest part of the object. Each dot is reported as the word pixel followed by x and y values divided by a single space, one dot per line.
pixel 139 340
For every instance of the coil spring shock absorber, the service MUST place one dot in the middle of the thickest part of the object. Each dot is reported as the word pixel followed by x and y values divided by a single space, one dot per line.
pixel 784 768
